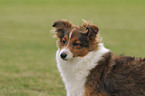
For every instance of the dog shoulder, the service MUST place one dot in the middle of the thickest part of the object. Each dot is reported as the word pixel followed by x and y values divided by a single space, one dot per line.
pixel 117 75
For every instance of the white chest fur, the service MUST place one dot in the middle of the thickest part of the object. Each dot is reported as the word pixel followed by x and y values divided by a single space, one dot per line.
pixel 75 71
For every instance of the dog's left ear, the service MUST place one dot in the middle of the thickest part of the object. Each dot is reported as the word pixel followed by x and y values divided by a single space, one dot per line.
pixel 62 24
pixel 61 27
pixel 92 30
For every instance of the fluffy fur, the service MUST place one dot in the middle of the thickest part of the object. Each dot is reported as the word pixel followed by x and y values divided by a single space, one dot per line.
pixel 74 72
pixel 89 69
pixel 117 76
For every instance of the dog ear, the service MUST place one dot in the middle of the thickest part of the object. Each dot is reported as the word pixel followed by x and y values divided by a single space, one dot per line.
pixel 92 30
pixel 61 27
pixel 62 23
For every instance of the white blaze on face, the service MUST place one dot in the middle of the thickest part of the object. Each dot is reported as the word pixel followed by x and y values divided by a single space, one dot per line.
pixel 70 34
pixel 65 53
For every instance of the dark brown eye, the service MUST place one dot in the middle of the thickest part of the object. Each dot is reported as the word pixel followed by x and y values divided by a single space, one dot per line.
pixel 63 42
pixel 76 44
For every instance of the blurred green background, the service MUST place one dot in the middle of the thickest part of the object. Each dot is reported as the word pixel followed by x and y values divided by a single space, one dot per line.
pixel 27 47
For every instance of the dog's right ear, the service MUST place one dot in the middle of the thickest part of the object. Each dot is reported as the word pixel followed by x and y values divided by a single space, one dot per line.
pixel 61 27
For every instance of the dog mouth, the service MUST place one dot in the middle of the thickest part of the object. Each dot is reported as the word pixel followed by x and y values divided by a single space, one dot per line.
pixel 65 59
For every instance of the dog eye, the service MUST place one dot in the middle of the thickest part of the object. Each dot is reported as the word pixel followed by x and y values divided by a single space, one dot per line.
pixel 76 44
pixel 63 41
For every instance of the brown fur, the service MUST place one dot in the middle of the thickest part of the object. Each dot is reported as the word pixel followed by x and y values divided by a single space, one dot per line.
pixel 84 35
pixel 117 76
pixel 114 75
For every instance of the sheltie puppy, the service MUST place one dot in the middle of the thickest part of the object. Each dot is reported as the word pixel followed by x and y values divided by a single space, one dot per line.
pixel 89 69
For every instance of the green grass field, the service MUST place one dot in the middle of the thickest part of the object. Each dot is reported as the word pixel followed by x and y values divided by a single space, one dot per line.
pixel 27 49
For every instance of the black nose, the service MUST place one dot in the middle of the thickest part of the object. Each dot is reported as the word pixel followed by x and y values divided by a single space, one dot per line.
pixel 63 55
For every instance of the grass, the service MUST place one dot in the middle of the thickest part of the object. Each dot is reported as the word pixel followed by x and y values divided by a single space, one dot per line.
pixel 27 49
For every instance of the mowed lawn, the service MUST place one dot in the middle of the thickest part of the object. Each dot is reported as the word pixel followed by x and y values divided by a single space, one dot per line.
pixel 27 47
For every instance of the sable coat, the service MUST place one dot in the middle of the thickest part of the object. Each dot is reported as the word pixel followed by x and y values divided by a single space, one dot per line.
pixel 117 76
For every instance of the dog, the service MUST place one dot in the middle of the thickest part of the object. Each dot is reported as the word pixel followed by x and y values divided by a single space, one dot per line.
pixel 89 69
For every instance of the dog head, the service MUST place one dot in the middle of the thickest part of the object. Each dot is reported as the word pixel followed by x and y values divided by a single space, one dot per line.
pixel 75 41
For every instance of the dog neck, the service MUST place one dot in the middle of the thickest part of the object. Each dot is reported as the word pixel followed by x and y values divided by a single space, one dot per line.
pixel 74 72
